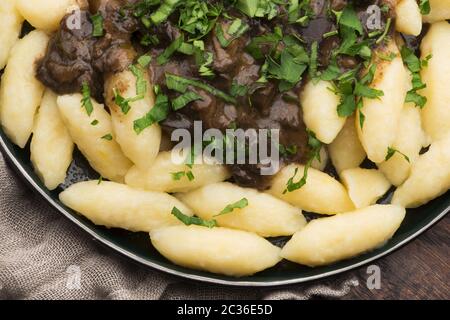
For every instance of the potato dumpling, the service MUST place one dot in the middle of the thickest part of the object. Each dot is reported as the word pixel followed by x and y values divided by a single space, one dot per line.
pixel 382 114
pixel 141 148
pixel 218 250
pixel 264 214
pixel 10 24
pixel 321 194
pixel 436 113
pixel 51 145
pixel 327 240
pixel 20 92
pixel 346 151
pixel 430 176
pixel 409 141
pixel 161 176
pixel 94 136
pixel 116 205
pixel 44 14
pixel 365 186
pixel 319 106
pixel 408 19
pixel 440 10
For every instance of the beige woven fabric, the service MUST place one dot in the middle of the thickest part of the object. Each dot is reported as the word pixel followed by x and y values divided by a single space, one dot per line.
pixel 40 250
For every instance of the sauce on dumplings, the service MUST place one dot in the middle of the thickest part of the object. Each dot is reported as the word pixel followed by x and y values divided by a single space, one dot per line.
pixel 260 60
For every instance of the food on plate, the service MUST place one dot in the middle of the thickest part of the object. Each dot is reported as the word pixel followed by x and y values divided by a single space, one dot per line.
pixel 319 105
pixel 430 176
pixel 115 205
pixel 231 252
pixel 10 24
pixel 142 149
pixel 46 14
pixel 245 209
pixel 365 186
pixel 20 91
pixel 407 146
pixel 346 151
pixel 321 193
pixel 224 127
pixel 92 132
pixel 439 11
pixel 381 115
pixel 51 146
pixel 408 17
pixel 436 44
pixel 327 240
pixel 172 175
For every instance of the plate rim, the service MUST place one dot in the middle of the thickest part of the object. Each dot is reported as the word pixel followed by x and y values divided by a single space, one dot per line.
pixel 205 279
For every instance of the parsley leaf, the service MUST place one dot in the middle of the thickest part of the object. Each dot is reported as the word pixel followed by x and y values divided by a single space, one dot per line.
pixel 181 84
pixel 157 114
pixel 164 57
pixel 144 60
pixel 362 90
pixel 86 101
pixel 425 7
pixel 315 146
pixel 187 220
pixel 180 174
pixel 108 137
pixel 392 151
pixel 241 204
pixel 97 25
pixel 415 65
pixel 350 19
pixel 183 100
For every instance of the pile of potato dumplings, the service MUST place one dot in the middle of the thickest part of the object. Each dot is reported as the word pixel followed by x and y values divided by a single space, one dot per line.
pixel 141 192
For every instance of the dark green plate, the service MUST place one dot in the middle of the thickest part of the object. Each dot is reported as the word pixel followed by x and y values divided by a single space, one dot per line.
pixel 137 246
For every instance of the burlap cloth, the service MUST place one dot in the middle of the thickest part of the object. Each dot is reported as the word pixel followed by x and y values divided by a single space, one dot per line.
pixel 38 245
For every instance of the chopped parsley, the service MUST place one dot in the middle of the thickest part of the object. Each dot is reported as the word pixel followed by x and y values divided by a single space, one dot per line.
pixel 108 137
pixel 157 114
pixel 86 101
pixel 164 57
pixel 184 99
pixel 97 25
pixel 415 65
pixel 235 30
pixel 315 147
pixel 187 220
pixel 144 60
pixel 180 84
pixel 392 151
pixel 241 204
pixel 141 89
pixel 177 176
pixel 425 7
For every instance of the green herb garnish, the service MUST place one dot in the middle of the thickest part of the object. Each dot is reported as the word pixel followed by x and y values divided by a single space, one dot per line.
pixel 86 101
pixel 97 25
pixel 187 220
pixel 392 151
